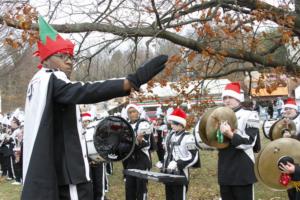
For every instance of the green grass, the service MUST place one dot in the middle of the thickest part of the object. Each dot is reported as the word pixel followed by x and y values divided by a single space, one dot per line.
pixel 203 184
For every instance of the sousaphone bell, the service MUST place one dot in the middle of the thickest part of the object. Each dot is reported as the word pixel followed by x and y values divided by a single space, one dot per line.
pixel 209 128
pixel 267 161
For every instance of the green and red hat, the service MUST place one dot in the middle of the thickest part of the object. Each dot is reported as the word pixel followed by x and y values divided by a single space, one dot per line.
pixel 51 42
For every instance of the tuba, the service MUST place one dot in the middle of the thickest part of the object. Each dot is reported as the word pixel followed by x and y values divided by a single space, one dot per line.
pixel 109 139
pixel 210 124
pixel 267 161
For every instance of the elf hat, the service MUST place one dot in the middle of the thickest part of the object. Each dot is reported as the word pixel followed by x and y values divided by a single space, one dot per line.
pixel 290 103
pixel 179 116
pixel 51 42
pixel 233 90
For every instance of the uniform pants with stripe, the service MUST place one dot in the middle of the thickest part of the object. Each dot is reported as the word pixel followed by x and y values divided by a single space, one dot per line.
pixel 175 192
pixel 82 191
pixel 237 192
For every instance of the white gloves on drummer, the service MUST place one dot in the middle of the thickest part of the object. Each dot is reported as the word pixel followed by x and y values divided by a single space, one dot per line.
pixel 225 127
pixel 172 165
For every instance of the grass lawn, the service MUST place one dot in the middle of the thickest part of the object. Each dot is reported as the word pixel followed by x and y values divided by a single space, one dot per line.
pixel 203 184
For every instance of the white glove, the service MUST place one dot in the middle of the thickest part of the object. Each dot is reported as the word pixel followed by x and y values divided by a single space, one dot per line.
pixel 172 165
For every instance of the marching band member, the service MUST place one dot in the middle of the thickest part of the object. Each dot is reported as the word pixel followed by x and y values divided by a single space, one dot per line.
pixel 290 112
pixel 98 174
pixel 135 188
pixel 236 162
pixel 160 133
pixel 55 164
pixel 181 153
pixel 294 171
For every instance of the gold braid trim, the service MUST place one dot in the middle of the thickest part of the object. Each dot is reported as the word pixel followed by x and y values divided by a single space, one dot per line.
pixel 296 184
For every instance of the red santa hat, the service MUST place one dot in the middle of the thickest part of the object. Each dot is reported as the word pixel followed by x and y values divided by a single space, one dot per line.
pixel 86 117
pixel 233 90
pixel 179 116
pixel 290 103
pixel 133 106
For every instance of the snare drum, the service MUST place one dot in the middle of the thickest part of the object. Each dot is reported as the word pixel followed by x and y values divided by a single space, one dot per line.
pixel 110 139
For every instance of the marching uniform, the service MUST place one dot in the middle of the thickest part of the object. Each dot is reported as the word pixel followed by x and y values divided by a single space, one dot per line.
pixel 181 153
pixel 290 103
pixel 236 162
pixel 136 189
pixel 160 134
pixel 55 164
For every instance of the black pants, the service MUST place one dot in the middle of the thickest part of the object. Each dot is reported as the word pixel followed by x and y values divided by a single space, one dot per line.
pixel 136 189
pixel 8 166
pixel 18 171
pixel 82 191
pixel 236 192
pixel 293 194
pixel 160 152
pixel 98 176
pixel 176 192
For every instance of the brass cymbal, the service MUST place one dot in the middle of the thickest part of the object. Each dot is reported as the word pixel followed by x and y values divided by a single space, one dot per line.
pixel 202 126
pixel 277 129
pixel 266 166
pixel 213 122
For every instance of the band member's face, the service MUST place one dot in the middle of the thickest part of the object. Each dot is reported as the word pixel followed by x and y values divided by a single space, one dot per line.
pixel 176 126
pixel 85 123
pixel 231 102
pixel 159 121
pixel 13 124
pixel 62 62
pixel 290 113
pixel 133 114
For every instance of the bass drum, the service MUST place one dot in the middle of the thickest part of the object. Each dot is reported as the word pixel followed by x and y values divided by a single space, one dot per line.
pixel 267 126
pixel 110 139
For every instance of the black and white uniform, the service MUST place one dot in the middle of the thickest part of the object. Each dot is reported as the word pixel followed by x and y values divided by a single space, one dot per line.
pixel 160 133
pixel 55 164
pixel 236 162
pixel 292 192
pixel 8 156
pixel 136 189
pixel 181 148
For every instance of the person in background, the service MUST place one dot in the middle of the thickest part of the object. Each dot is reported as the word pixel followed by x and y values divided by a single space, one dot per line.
pixel 181 154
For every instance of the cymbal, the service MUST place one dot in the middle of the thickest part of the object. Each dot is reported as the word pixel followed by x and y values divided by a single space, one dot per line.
pixel 277 129
pixel 212 123
pixel 202 126
pixel 266 166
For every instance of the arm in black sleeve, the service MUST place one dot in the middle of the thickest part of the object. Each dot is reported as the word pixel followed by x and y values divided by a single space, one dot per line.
pixel 86 93
pixel 181 164
pixel 145 142
pixel 296 175
pixel 245 141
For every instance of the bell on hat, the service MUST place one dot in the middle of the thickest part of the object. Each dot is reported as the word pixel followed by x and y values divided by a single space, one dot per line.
pixel 179 116
pixel 290 103
pixel 86 117
pixel 233 90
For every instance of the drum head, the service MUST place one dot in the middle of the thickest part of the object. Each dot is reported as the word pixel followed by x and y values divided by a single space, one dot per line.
pixel 114 139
